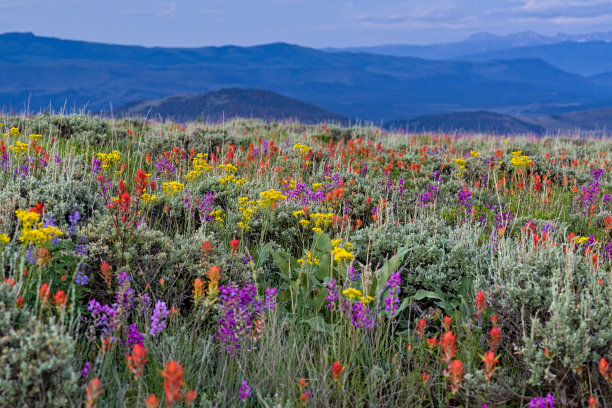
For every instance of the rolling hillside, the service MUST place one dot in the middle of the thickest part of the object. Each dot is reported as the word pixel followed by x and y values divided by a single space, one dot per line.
pixel 230 103
pixel 40 72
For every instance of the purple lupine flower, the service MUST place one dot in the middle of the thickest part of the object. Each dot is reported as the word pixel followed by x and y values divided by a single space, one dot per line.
pixel 165 167
pixel 245 390
pixel 333 293
pixel 360 316
pixel 158 318
pixel 271 294
pixel 103 316
pixel 125 297
pixel 81 278
pixel 392 301
pixel 352 274
pixel 122 277
pixel 205 206
pixel 608 251
pixel 85 369
pixel 96 166
pixel 133 336
pixel 73 218
pixel 30 258
pixel 239 310
pixel 543 402
pixel 464 200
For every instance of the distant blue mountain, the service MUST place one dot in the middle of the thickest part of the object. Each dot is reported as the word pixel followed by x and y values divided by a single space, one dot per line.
pixel 39 72
pixel 475 44
pixel 586 58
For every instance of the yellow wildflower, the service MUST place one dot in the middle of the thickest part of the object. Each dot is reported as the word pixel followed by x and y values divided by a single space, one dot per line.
pixel 341 254
pixel 4 239
pixel 171 188
pixel 27 218
pixel 366 299
pixel 301 149
pixel 351 293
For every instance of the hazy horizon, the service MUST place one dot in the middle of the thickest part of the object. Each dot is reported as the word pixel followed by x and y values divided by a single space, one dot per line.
pixel 311 23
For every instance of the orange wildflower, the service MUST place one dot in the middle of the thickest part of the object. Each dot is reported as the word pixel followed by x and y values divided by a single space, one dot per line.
pixel 489 360
pixel 151 401
pixel 136 361
pixel 449 345
pixel 173 376
pixel 455 374
pixel 94 390
pixel 337 370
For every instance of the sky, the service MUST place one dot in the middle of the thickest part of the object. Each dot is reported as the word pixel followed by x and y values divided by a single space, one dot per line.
pixel 313 23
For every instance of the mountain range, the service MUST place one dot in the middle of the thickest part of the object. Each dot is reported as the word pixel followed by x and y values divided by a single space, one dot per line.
pixel 476 44
pixel 42 73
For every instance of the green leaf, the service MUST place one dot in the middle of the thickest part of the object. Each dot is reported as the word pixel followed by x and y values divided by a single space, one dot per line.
pixel 281 259
pixel 422 294
pixel 391 266
pixel 318 324
pixel 262 255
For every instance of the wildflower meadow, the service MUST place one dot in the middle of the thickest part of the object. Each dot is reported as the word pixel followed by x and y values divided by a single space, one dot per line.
pixel 253 264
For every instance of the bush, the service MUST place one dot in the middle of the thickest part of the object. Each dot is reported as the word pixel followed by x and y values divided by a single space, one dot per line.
pixel 35 359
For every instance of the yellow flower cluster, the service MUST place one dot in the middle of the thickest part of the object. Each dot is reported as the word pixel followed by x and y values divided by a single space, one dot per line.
pixel 308 259
pixel 148 198
pixel 218 216
pixel 171 188
pixel 109 158
pixel 27 218
pixel 339 253
pixel 352 292
pixel 474 153
pixel 322 220
pixel 4 239
pixel 317 186
pixel 518 160
pixel 200 165
pixel 228 168
pixel 247 208
pixel 301 149
pixel 232 179
pixel 14 132
pixel 35 138
pixel 19 148
pixel 270 197
pixel 39 236
pixel 581 240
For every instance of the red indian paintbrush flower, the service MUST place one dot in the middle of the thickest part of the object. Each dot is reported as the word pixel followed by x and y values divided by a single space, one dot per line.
pixel 480 302
pixel 173 376
pixel 449 345
pixel 489 360
pixel 420 327
pixel 137 360
pixel 59 299
pixel 494 337
pixel 151 401
pixel 337 370
pixel 446 323
pixel 604 369
pixel 454 372
pixel 94 390
pixel 44 293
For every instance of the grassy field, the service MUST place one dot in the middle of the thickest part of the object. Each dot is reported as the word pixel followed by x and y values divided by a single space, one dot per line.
pixel 151 264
